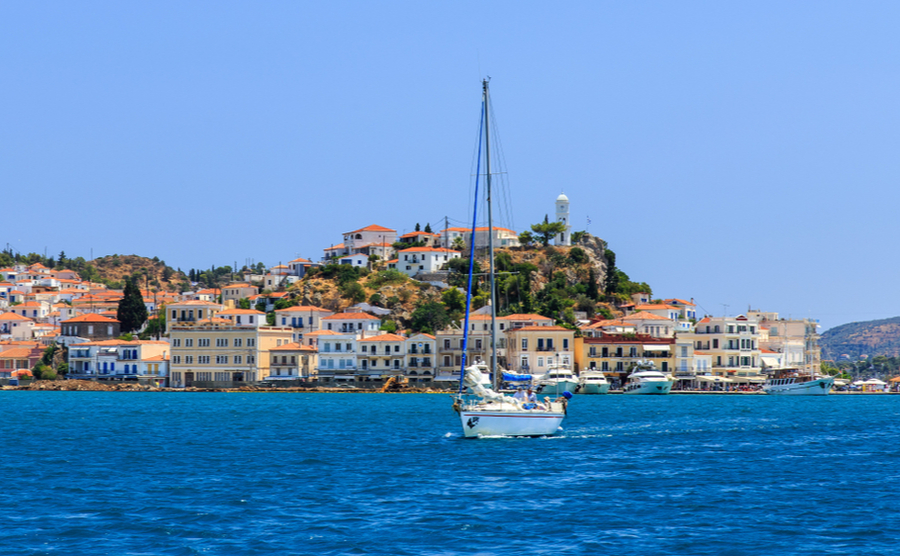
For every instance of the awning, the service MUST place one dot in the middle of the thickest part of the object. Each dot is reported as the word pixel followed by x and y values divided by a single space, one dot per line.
pixel 660 347
pixel 511 377
pixel 709 378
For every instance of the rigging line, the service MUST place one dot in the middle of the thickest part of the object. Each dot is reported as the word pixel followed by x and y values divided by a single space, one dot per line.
pixel 505 190
pixel 465 346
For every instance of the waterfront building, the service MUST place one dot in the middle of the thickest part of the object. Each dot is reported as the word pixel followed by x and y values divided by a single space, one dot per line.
pixel 88 327
pixel 336 352
pixel 796 340
pixel 732 343
pixel 421 362
pixel 382 356
pixel 15 359
pixel 616 354
pixel 292 361
pixel 138 360
pixel 535 349
pixel 223 353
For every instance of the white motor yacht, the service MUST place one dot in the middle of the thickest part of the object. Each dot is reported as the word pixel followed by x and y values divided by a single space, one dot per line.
pixel 556 381
pixel 592 382
pixel 646 379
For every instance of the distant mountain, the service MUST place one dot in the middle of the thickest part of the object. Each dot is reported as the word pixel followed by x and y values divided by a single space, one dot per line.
pixel 874 337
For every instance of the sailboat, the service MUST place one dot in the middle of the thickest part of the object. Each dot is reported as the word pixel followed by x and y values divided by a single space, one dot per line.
pixel 485 411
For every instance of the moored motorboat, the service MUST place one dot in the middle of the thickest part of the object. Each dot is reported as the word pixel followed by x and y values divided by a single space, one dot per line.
pixel 790 382
pixel 556 381
pixel 646 379
pixel 592 382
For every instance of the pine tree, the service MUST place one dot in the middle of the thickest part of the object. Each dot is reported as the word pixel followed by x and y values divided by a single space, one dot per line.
pixel 428 228
pixel 132 312
pixel 418 227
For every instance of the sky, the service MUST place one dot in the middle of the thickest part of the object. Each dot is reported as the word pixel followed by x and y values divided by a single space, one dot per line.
pixel 740 154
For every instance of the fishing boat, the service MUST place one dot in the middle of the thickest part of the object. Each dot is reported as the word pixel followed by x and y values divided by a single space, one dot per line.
pixel 486 411
pixel 646 379
pixel 790 382
pixel 557 380
pixel 592 382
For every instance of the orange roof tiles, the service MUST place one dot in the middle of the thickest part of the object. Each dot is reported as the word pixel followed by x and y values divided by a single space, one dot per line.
pixel 350 316
pixel 384 338
pixel 322 333
pixel 644 316
pixel 241 312
pixel 90 318
pixel 373 228
pixel 524 316
pixel 18 353
pixel 541 329
pixel 654 307
pixel 306 308
pixel 428 250
pixel 13 316
pixel 333 247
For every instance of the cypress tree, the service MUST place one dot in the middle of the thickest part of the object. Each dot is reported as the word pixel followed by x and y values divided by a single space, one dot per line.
pixel 592 290
pixel 132 312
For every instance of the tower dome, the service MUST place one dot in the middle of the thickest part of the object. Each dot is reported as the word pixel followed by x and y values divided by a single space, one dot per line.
pixel 562 197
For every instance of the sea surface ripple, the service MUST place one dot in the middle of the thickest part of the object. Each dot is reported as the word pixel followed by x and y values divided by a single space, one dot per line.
pixel 150 474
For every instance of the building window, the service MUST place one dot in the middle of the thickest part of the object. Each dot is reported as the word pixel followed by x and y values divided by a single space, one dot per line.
pixel 237 359
pixel 565 343
pixel 251 342
pixel 540 362
pixel 524 344
pixel 237 342
pixel 188 359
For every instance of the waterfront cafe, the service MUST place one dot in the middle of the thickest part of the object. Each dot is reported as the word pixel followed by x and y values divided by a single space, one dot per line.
pixel 895 384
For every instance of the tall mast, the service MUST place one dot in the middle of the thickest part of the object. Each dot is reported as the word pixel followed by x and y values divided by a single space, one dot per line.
pixel 487 165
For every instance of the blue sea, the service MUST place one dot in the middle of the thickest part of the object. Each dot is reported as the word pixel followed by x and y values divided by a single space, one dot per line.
pixel 296 474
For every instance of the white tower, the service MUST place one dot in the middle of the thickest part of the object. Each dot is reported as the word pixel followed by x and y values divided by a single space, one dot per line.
pixel 562 215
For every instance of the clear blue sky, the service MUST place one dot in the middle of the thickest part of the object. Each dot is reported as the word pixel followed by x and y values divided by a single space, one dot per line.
pixel 737 153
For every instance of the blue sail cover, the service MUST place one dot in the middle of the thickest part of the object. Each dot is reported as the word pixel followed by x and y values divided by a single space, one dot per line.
pixel 510 377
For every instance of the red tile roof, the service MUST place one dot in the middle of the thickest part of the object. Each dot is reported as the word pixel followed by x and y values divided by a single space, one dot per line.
pixel 90 317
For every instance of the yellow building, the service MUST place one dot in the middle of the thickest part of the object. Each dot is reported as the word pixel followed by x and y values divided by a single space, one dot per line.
pixel 534 349
pixel 218 353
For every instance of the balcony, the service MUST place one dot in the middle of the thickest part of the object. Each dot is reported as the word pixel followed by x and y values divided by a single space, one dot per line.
pixel 545 348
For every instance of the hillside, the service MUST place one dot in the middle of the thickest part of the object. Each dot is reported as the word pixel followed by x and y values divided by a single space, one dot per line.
pixel 548 280
pixel 113 269
pixel 874 337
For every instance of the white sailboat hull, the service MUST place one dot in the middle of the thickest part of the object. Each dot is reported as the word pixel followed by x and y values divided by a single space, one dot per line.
pixel 510 423
pixel 657 387
pixel 817 387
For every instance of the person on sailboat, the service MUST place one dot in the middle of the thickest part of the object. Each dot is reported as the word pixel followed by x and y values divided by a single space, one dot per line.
pixel 520 394
pixel 530 396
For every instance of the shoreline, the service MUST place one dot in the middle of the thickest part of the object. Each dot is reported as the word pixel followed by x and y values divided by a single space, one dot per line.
pixel 88 386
